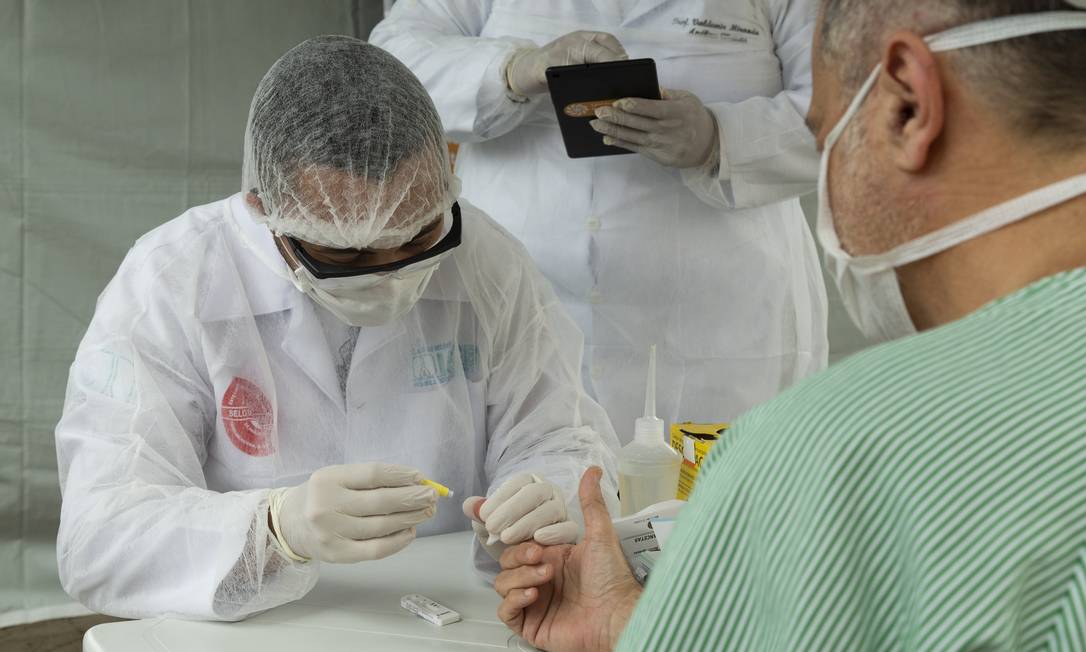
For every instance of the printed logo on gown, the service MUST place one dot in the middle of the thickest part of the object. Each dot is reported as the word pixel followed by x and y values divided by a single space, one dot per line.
pixel 247 418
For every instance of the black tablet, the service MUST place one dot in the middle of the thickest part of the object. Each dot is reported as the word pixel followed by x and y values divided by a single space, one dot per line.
pixel 578 90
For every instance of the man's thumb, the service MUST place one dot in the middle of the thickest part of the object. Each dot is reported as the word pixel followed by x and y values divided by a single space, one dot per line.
pixel 597 520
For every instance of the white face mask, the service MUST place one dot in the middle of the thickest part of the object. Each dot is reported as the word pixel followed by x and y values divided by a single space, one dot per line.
pixel 371 300
pixel 868 284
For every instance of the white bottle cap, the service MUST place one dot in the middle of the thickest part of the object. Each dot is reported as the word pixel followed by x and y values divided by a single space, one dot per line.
pixel 649 429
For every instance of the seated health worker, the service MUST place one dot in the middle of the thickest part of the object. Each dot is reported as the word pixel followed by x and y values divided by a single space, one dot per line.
pixel 929 493
pixel 268 378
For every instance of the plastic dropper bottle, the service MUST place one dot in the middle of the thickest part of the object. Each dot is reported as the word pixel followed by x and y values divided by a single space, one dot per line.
pixel 648 468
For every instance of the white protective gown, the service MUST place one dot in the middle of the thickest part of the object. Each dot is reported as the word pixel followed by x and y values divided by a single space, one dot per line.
pixel 205 378
pixel 720 272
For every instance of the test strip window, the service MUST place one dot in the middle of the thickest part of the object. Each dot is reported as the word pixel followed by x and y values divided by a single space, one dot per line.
pixel 429 610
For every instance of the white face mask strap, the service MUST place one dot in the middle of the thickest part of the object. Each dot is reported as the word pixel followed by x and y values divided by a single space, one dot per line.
pixel 992 219
pixel 853 108
pixel 1005 28
pixel 829 232
pixel 965 36
pixel 973 34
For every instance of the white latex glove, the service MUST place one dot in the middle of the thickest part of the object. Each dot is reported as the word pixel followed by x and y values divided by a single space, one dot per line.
pixel 526 72
pixel 353 512
pixel 524 507
pixel 677 131
pixel 495 549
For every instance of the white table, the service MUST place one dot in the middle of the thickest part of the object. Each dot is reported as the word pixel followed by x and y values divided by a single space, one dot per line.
pixel 352 608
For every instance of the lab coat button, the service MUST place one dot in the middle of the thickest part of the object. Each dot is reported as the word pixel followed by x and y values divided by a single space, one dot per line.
pixel 595 296
pixel 593 224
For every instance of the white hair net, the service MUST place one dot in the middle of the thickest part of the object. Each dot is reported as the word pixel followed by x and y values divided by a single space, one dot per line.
pixel 345 148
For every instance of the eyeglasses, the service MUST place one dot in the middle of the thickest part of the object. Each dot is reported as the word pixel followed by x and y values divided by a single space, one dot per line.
pixel 323 270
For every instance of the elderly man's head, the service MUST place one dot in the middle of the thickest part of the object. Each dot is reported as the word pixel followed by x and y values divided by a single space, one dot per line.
pixel 344 148
pixel 941 123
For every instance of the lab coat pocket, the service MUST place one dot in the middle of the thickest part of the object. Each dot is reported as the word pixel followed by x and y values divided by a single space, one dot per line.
pixel 505 22
pixel 244 450
pixel 245 446
pixel 716 78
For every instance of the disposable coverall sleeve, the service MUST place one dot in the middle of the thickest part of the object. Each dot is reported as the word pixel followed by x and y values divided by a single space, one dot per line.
pixel 767 154
pixel 141 535
pixel 539 418
pixel 439 40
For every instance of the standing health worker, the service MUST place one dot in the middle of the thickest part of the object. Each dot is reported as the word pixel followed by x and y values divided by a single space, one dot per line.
pixel 696 244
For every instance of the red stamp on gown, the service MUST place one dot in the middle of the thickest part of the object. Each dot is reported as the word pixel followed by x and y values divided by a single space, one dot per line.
pixel 247 417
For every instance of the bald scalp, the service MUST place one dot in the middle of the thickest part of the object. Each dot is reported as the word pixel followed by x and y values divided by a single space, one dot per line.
pixel 1036 83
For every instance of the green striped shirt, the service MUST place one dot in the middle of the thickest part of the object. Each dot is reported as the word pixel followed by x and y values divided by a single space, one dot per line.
pixel 928 494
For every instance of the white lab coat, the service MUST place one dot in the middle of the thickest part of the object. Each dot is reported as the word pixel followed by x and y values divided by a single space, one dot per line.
pixel 720 272
pixel 205 378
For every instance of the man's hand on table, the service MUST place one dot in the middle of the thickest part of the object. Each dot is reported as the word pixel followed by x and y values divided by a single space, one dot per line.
pixel 570 597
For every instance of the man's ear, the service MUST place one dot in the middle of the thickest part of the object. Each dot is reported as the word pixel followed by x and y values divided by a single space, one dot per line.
pixel 254 202
pixel 912 108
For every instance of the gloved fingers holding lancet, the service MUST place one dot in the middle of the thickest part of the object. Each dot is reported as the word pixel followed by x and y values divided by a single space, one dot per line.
pixel 526 71
pixel 676 131
pixel 351 513
pixel 524 508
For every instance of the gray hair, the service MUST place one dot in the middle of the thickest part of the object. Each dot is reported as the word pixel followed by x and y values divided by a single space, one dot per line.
pixel 1037 82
